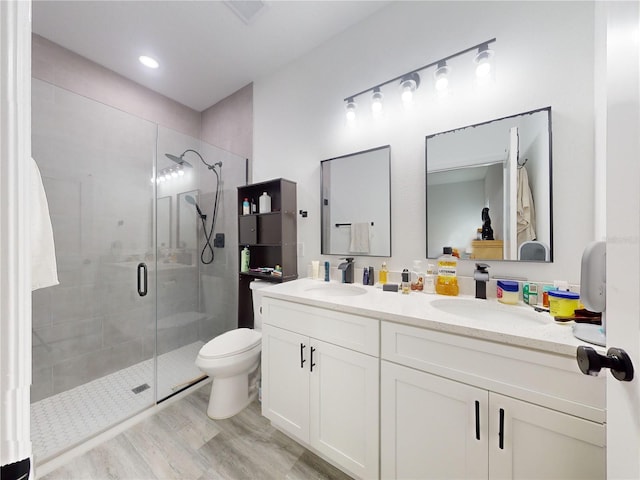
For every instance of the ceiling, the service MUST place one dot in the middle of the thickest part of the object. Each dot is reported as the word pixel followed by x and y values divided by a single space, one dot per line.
pixel 206 52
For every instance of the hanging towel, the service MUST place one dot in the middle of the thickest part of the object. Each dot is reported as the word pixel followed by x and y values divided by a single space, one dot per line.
pixel 526 208
pixel 359 238
pixel 44 272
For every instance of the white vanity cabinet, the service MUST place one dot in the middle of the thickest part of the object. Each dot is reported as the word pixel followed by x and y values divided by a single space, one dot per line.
pixel 459 407
pixel 320 381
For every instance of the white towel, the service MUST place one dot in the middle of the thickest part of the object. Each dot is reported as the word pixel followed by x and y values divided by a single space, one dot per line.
pixel 359 238
pixel 526 208
pixel 44 272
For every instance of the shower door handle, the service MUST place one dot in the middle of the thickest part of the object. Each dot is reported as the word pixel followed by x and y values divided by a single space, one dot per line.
pixel 142 279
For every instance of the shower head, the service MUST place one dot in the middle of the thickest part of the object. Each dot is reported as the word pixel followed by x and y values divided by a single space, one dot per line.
pixel 179 160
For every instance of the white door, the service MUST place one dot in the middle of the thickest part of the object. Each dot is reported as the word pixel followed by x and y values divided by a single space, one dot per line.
pixel 285 380
pixel 623 233
pixel 344 407
pixel 511 198
pixel 431 427
pixel 527 441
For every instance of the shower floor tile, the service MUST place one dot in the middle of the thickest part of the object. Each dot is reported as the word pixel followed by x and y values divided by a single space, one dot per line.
pixel 63 420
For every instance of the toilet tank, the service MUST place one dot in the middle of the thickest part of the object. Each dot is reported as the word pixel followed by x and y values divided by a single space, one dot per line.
pixel 256 296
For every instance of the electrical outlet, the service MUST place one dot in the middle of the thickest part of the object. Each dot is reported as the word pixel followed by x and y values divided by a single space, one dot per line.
pixel 301 249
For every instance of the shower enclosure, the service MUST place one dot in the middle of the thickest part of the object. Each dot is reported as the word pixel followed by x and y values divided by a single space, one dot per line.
pixel 135 301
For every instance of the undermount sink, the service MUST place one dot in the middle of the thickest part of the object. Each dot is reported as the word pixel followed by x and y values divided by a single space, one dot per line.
pixel 488 310
pixel 335 291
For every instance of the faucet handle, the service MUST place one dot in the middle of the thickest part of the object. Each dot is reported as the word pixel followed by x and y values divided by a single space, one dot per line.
pixel 482 267
pixel 348 259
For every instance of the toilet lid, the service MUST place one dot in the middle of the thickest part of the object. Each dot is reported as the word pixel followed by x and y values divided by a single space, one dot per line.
pixel 231 343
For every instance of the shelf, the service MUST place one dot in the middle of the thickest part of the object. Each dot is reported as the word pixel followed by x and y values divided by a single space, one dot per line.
pixel 270 236
pixel 270 278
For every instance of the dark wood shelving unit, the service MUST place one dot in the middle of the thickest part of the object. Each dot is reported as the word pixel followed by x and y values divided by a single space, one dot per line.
pixel 271 238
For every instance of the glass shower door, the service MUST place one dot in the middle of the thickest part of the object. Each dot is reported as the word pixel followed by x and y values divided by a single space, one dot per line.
pixel 94 333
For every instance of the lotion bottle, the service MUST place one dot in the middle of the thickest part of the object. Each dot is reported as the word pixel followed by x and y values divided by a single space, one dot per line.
pixel 244 260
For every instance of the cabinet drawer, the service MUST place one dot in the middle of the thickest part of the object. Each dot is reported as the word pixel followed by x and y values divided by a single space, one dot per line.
pixel 350 331
pixel 543 378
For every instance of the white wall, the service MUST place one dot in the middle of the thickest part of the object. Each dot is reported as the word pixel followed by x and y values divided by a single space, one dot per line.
pixel 544 57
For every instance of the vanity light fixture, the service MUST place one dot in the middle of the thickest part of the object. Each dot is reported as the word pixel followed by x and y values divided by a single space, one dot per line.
pixel 408 85
pixel 441 76
pixel 376 100
pixel 351 110
pixel 148 61
pixel 483 60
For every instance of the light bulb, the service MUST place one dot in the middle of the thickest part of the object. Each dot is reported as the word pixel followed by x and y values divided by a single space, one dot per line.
pixel 148 61
pixel 483 69
pixel 483 61
pixel 409 84
pixel 376 101
pixel 174 174
pixel 351 110
pixel 160 179
pixel 441 76
pixel 181 172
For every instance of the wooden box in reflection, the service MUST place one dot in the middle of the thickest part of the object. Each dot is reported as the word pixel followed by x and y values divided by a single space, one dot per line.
pixel 487 249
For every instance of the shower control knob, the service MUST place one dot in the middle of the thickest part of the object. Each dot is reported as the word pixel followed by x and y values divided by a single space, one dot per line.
pixel 591 362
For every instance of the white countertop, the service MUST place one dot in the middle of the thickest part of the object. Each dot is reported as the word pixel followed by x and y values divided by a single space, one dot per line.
pixel 537 331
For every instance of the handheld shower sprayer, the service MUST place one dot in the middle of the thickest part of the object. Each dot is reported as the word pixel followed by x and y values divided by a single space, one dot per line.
pixel 192 201
pixel 208 234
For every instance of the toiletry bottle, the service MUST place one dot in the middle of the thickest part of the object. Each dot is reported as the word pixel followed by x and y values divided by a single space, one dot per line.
pixel 372 276
pixel 254 208
pixel 406 285
pixel 327 271
pixel 418 274
pixel 265 203
pixel 383 273
pixel 244 260
pixel 365 276
pixel 447 282
pixel 245 207
pixel 430 279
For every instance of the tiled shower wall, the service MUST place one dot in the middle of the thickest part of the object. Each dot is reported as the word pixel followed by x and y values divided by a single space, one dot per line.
pixel 94 323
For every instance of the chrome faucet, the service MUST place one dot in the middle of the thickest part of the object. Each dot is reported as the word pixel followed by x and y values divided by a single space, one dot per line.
pixel 347 270
pixel 481 276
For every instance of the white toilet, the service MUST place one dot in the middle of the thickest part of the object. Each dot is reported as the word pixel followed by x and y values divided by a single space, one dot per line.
pixel 232 360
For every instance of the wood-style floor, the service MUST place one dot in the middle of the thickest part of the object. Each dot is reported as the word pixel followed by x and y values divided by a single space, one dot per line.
pixel 181 442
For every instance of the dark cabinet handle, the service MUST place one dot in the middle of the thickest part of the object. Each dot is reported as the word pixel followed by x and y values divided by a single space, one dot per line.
pixel 312 364
pixel 501 431
pixel 477 420
pixel 302 360
pixel 142 279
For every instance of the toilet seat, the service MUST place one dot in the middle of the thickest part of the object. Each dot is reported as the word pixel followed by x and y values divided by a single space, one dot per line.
pixel 231 343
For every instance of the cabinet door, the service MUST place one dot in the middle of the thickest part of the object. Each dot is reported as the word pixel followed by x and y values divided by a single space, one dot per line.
pixel 248 229
pixel 541 443
pixel 431 427
pixel 344 407
pixel 285 380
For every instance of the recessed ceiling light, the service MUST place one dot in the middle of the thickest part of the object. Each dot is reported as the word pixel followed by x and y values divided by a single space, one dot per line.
pixel 148 61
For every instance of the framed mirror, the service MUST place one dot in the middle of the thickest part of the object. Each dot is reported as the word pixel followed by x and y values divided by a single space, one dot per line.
pixel 188 220
pixel 164 222
pixel 489 190
pixel 356 204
